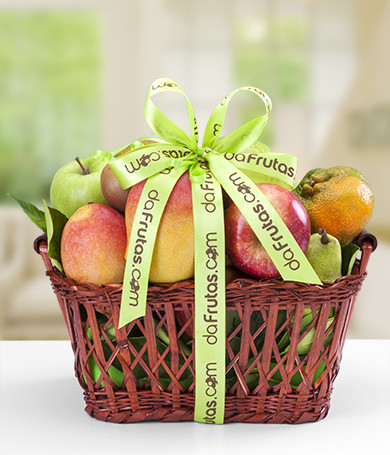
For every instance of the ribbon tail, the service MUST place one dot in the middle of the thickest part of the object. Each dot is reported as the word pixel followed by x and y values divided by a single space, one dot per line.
pixel 141 245
pixel 270 167
pixel 210 309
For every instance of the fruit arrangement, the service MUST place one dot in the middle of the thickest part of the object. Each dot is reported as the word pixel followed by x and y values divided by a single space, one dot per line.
pixel 324 212
pixel 189 212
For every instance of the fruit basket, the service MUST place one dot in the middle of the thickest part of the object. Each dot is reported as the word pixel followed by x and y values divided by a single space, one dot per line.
pixel 284 343
pixel 233 283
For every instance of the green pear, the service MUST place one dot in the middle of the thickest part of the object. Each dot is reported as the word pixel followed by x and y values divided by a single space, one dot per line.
pixel 324 254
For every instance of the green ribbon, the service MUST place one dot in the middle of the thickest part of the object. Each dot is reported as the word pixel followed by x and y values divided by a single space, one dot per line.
pixel 210 312
pixel 102 155
pixel 140 248
pixel 219 161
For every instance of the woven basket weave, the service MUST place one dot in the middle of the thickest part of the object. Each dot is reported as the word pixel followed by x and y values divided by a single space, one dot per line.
pixel 265 381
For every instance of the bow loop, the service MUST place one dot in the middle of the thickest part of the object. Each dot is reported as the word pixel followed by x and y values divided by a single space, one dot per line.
pixel 244 136
pixel 165 128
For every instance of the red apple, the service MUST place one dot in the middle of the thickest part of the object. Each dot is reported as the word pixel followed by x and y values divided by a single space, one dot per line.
pixel 93 245
pixel 243 247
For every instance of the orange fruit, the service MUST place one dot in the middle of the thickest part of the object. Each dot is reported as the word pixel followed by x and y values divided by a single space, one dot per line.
pixel 338 199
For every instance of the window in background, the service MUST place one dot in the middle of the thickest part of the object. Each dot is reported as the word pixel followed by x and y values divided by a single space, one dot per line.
pixel 303 55
pixel 334 65
pixel 50 88
pixel 198 55
pixel 271 52
pixel 263 43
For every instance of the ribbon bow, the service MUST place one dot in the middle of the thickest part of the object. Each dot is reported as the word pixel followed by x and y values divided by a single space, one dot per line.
pixel 218 162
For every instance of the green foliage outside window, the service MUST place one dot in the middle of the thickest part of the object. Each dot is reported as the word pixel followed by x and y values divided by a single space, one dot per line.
pixel 271 53
pixel 50 90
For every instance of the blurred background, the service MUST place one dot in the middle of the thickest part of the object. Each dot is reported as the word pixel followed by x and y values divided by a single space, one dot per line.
pixel 74 76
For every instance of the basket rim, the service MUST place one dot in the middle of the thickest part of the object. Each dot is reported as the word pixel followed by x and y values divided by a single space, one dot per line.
pixel 238 284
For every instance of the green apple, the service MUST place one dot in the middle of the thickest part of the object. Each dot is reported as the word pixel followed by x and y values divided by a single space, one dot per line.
pixel 76 184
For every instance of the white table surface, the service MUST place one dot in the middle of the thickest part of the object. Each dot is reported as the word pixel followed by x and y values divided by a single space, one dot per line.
pixel 37 419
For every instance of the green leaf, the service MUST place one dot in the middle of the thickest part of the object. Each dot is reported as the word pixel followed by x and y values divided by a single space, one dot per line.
pixel 35 215
pixel 115 371
pixel 307 319
pixel 305 344
pixel 259 341
pixel 349 253
pixel 110 332
pixel 55 223
pixel 162 333
pixel 115 374
pixel 232 321
pixel 296 184
pixel 297 377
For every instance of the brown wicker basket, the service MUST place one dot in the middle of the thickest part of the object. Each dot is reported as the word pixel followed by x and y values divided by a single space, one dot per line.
pixel 145 370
